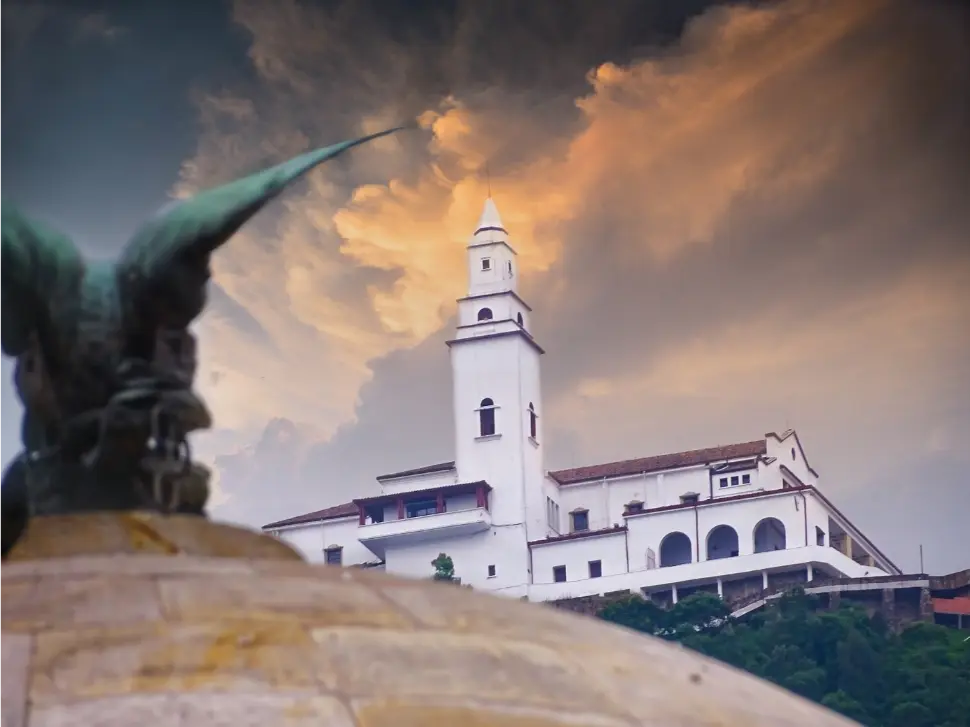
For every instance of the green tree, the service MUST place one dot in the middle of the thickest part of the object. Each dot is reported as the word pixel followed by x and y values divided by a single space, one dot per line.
pixel 844 659
pixel 844 704
pixel 910 714
pixel 444 568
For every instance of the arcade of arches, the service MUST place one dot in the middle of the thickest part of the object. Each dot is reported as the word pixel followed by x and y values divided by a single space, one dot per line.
pixel 722 542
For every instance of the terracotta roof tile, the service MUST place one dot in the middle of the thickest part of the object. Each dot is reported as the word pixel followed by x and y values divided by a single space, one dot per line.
pixel 660 462
pixel 348 509
pixel 426 470
pixel 959 605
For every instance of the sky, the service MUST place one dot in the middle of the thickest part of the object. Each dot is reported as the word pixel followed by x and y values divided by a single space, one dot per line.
pixel 731 219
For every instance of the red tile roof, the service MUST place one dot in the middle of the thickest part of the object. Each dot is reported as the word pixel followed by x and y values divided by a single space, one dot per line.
pixel 426 470
pixel 580 534
pixel 661 462
pixel 959 605
pixel 348 509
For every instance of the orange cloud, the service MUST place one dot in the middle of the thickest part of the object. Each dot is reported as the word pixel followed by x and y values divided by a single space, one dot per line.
pixel 756 107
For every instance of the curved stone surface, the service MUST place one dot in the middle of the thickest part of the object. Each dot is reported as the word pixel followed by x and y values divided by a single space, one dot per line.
pixel 101 533
pixel 186 634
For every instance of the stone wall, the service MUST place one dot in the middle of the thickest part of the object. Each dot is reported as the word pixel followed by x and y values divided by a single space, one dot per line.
pixel 589 605
pixel 900 605
pixel 958 583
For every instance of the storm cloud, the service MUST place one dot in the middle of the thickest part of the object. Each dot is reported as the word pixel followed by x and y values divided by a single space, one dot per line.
pixel 731 219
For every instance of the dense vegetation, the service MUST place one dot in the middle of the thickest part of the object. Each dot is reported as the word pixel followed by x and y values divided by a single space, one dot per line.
pixel 843 658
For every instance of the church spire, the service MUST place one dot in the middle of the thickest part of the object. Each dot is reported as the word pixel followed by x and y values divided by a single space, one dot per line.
pixel 491 259
pixel 490 219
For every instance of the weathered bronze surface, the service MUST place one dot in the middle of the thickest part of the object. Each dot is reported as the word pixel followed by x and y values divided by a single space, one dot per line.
pixel 116 620
pixel 105 360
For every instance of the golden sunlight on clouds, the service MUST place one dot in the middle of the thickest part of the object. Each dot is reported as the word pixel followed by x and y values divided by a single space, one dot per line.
pixel 755 103
pixel 420 230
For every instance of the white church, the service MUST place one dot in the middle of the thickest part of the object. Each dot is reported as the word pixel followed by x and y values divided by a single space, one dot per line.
pixel 735 519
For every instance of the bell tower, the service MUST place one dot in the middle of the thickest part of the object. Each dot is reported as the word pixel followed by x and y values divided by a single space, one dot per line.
pixel 497 387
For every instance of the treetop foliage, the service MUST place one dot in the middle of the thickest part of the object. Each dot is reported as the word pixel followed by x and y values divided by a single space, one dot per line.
pixel 843 659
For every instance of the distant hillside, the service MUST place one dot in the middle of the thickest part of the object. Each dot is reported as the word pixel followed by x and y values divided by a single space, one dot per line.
pixel 842 658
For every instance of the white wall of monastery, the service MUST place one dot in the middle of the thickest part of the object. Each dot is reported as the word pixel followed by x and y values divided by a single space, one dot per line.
pixel 760 479
pixel 788 452
pixel 822 559
pixel 698 524
pixel 575 555
pixel 504 548
pixel 606 499
pixel 311 540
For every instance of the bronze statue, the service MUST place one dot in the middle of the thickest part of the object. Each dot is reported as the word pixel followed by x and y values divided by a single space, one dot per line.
pixel 105 360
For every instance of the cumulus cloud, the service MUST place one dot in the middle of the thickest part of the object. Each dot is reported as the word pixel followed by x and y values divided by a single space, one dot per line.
pixel 764 220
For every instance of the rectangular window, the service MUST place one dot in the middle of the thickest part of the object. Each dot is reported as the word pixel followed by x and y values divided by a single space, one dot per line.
pixel 486 263
pixel 723 482
pixel 491 571
pixel 334 556
pixel 689 499
pixel 580 521
pixel 595 568
pixel 819 536
pixel 734 481
pixel 559 574
pixel 424 507
pixel 745 479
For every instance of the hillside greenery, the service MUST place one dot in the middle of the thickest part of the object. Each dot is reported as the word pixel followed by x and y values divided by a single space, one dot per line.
pixel 844 659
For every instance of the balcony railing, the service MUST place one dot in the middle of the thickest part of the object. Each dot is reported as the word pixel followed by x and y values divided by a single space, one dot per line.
pixel 406 531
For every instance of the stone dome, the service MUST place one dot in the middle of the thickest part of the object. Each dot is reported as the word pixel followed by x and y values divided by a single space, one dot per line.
pixel 123 619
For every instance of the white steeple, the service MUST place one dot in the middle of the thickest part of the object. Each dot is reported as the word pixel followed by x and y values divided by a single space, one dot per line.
pixel 490 219
pixel 492 265
pixel 497 392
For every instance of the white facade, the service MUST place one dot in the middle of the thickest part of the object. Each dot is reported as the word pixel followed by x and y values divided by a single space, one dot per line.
pixel 736 519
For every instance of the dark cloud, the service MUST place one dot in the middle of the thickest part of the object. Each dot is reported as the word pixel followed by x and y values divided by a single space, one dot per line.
pixel 730 219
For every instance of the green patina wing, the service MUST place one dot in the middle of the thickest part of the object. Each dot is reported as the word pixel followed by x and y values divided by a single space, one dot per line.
pixel 37 264
pixel 168 259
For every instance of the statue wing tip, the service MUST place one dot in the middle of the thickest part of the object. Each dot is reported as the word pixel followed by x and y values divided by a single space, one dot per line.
pixel 189 231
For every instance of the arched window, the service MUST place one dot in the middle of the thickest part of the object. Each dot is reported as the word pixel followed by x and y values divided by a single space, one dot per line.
pixel 485 314
pixel 520 320
pixel 675 549
pixel 769 534
pixel 722 542
pixel 533 422
pixel 486 418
